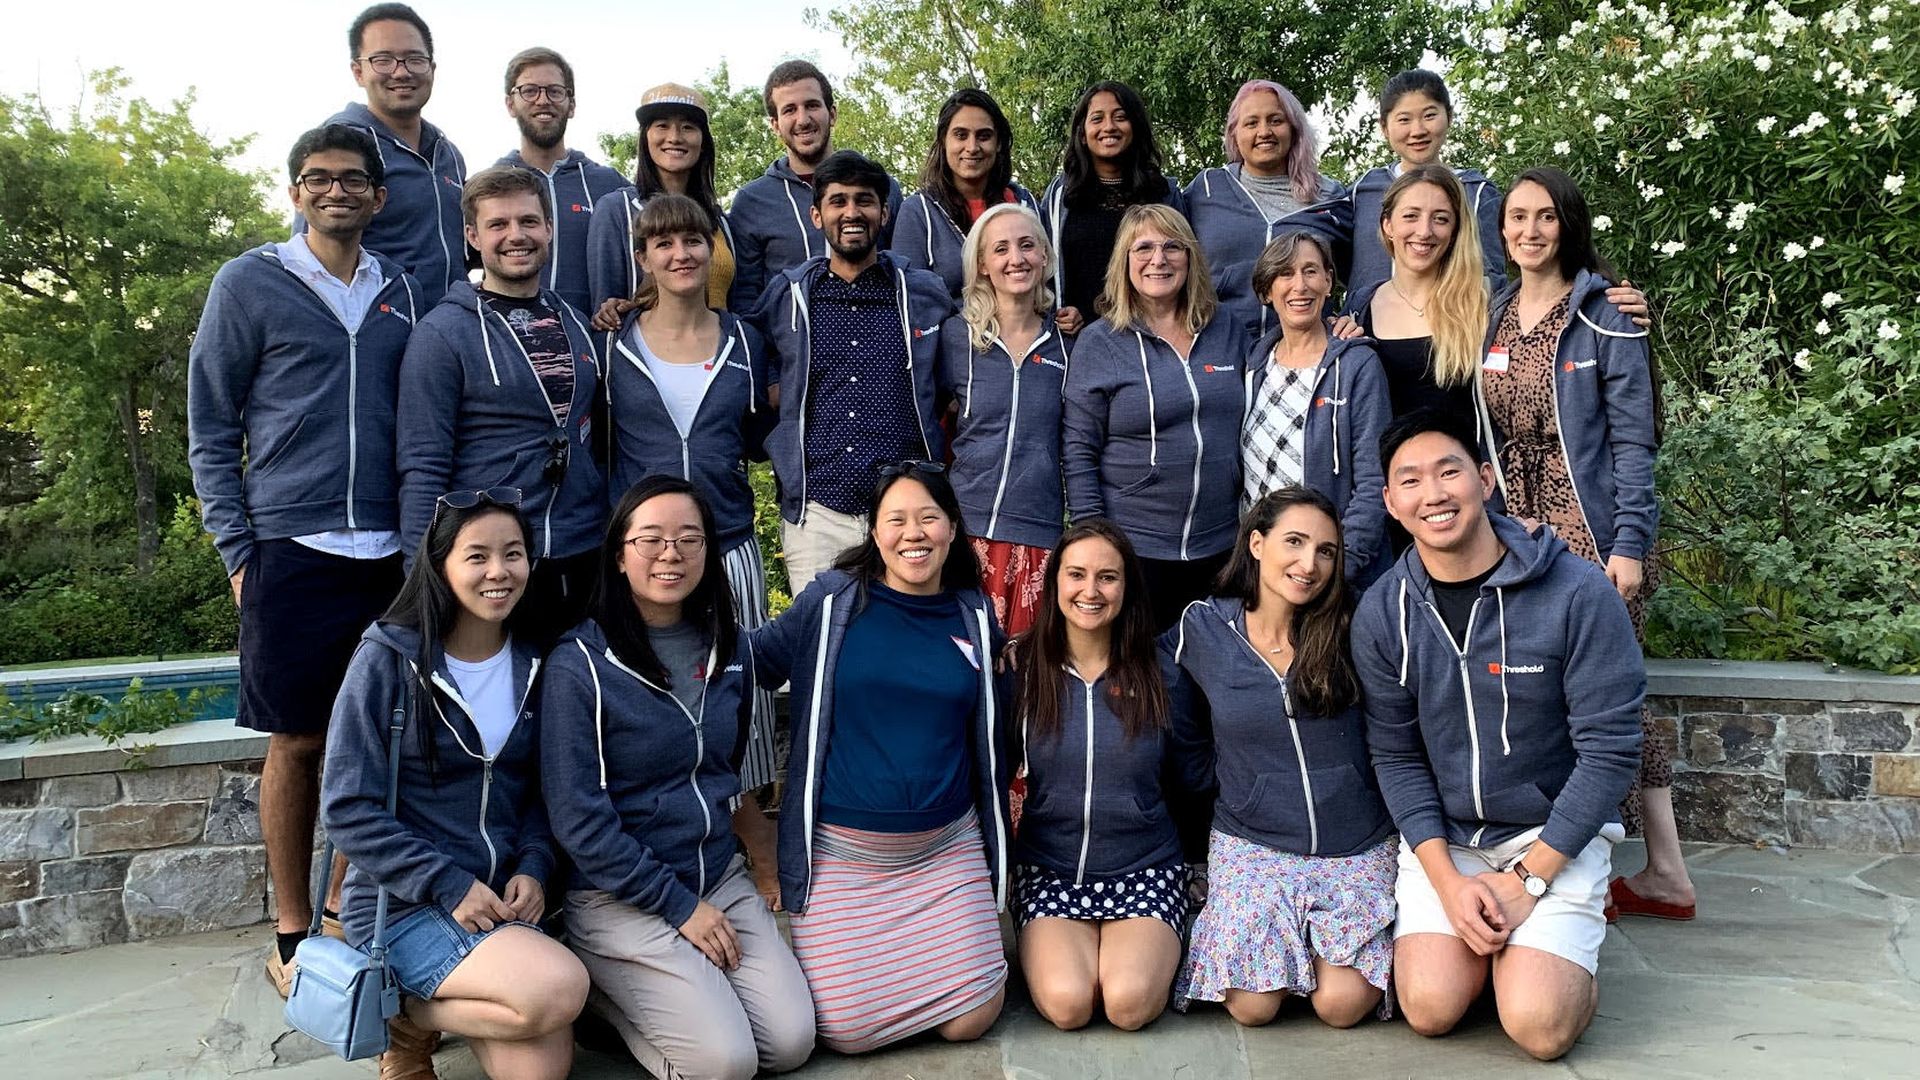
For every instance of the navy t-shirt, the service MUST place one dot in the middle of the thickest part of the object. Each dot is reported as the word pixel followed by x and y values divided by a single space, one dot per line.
pixel 899 757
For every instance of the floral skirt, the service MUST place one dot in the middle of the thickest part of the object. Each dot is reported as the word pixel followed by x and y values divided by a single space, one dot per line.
pixel 1270 913
pixel 1012 576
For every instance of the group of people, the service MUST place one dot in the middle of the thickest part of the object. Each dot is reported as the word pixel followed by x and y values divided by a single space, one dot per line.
pixel 1239 651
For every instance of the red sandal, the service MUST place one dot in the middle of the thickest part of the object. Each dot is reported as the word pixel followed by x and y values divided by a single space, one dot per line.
pixel 1622 900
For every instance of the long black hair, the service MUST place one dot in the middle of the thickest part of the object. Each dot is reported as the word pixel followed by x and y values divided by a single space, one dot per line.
pixel 1141 178
pixel 1133 663
pixel 961 569
pixel 1322 681
pixel 709 606
pixel 427 606
pixel 936 178
pixel 646 175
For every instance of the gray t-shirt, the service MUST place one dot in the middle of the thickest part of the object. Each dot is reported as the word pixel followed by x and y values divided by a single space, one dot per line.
pixel 682 650
pixel 1272 194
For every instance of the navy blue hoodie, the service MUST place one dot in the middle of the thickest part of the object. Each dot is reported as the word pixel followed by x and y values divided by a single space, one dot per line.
pixel 1100 804
pixel 1350 409
pixel 728 427
pixel 290 418
pixel 469 818
pixel 773 230
pixel 1603 405
pixel 1153 441
pixel 1535 723
pixel 611 270
pixel 785 317
pixel 420 227
pixel 473 416
pixel 1006 440
pixel 574 190
pixel 803 644
pixel 637 784
pixel 927 237
pixel 1351 222
pixel 1233 232
pixel 1291 781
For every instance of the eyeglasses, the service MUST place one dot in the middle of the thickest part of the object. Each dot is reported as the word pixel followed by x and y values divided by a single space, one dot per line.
pixel 1146 249
pixel 687 547
pixel 902 468
pixel 386 63
pixel 531 92
pixel 319 183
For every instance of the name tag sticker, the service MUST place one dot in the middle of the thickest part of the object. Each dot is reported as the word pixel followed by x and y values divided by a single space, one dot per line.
pixel 1496 360
pixel 966 650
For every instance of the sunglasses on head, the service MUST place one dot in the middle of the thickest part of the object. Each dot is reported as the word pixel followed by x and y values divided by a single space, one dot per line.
pixel 905 468
pixel 467 500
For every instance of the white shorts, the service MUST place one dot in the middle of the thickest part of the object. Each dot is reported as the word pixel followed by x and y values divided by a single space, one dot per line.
pixel 1569 922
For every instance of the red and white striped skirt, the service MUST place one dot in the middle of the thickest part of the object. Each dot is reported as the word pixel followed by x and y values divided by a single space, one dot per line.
pixel 900 934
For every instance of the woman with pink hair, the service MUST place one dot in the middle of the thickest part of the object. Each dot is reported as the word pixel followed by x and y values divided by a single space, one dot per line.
pixel 1271 172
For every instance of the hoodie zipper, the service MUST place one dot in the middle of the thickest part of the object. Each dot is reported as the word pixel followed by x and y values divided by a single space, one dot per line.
pixel 1265 309
pixel 906 336
pixel 1086 795
pixel 486 759
pixel 719 363
pixel 810 796
pixel 1293 727
pixel 699 751
pixel 1466 691
pixel 1013 426
pixel 800 308
pixel 1199 440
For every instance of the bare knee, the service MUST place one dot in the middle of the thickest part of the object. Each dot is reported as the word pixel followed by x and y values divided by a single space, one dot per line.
pixel 1066 1002
pixel 1543 1032
pixel 1344 1006
pixel 546 1001
pixel 1132 1004
pixel 296 751
pixel 1432 1011
pixel 1251 1009
pixel 974 1023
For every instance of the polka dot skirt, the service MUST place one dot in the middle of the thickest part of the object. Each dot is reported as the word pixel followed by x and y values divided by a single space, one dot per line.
pixel 1158 892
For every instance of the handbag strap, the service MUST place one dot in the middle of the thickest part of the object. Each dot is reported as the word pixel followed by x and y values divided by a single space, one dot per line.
pixel 377 949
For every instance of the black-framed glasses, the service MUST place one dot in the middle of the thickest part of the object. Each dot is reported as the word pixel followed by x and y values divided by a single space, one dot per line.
pixel 689 546
pixel 903 468
pixel 386 63
pixel 532 92
pixel 319 183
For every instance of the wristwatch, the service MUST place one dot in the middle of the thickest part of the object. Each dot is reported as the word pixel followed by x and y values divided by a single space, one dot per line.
pixel 1535 885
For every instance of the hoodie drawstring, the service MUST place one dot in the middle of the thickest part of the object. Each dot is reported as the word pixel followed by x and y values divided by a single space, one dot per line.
pixel 1153 420
pixel 1500 595
pixel 1338 397
pixel 752 408
pixel 480 312
pixel 599 721
pixel 926 208
pixel 806 238
pixel 1404 651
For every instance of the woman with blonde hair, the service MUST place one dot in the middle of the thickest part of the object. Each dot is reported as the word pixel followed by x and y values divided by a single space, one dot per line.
pixel 1153 407
pixel 1003 362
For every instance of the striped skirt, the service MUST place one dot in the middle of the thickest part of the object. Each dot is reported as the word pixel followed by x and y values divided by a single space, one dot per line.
pixel 747 575
pixel 900 934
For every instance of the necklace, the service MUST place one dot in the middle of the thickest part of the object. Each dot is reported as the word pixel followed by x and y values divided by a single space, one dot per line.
pixel 1418 309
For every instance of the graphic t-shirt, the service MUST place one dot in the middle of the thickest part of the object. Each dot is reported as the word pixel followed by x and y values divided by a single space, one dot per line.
pixel 544 336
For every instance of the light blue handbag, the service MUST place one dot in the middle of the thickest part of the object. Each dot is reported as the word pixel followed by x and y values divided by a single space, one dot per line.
pixel 343 997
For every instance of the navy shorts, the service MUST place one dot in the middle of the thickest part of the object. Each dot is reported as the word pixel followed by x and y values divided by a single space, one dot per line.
pixel 426 944
pixel 301 615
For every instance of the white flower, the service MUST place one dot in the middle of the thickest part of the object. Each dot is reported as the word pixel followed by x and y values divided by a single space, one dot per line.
pixel 1851 113
pixel 1827 300
pixel 1699 128
pixel 1822 328
pixel 1731 248
pixel 1675 145
pixel 1881 13
pixel 1601 121
pixel 1672 248
pixel 1621 93
pixel 1602 223
pixel 1763 63
pixel 1800 360
pixel 1814 122
pixel 1562 148
pixel 1893 183
pixel 1888 332
pixel 1903 103
pixel 1650 192
pixel 1737 219
pixel 1881 44
pixel 1816 243
pixel 1714 212
pixel 1766 123
pixel 1793 251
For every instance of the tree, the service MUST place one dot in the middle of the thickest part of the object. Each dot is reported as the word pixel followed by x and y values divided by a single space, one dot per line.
pixel 111 227
pixel 742 140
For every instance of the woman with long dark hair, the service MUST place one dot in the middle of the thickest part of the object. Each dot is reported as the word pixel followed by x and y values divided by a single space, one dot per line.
pixel 1100 885
pixel 968 170
pixel 647 706
pixel 1569 402
pixel 1153 406
pixel 1110 162
pixel 465 853
pixel 894 836
pixel 1301 859
pixel 673 155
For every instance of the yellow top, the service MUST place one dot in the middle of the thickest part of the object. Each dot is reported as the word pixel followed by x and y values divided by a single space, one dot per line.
pixel 719 272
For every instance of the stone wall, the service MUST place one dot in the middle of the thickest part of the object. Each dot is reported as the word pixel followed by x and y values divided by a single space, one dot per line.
pixel 96 858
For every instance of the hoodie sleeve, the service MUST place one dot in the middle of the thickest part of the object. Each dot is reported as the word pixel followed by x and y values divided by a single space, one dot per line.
pixel 764 315
pixel 353 794
pixel 585 820
pixel 761 415
pixel 534 854
pixel 893 214
pixel 609 250
pixel 431 386
pixel 1493 248
pixel 1393 729
pixel 1187 778
pixel 1605 682
pixel 1086 399
pixel 750 274
pixel 220 372
pixel 1369 410
pixel 909 231
pixel 779 644
pixel 1626 388
pixel 1332 221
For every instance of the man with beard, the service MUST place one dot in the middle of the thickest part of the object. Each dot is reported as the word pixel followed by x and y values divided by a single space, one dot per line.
pixel 291 388
pixel 770 221
pixel 497 391
pixel 540 100
pixel 419 227
pixel 858 338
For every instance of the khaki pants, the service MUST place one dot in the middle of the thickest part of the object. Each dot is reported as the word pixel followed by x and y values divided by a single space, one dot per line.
pixel 682 1017
pixel 812 547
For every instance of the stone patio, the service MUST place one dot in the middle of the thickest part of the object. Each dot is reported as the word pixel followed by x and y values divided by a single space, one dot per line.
pixel 1804 963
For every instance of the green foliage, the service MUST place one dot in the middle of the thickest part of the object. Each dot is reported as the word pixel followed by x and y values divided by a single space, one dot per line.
pixel 742 138
pixel 1186 57
pixel 766 528
pixel 138 712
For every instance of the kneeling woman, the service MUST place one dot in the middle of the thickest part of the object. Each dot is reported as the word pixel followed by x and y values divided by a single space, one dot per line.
pixel 465 853
pixel 1301 859
pixel 648 706
pixel 893 839
pixel 1101 888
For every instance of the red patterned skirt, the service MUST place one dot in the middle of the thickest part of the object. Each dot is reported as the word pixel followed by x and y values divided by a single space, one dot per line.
pixel 1012 576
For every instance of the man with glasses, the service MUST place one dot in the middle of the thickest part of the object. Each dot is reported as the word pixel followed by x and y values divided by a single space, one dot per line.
pixel 291 388
pixel 857 335
pixel 540 99
pixel 498 389
pixel 419 227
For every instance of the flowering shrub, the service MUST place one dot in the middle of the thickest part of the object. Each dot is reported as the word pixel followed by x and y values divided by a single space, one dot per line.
pixel 1748 167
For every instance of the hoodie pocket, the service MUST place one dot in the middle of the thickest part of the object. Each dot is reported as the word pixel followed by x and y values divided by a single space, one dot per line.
pixel 1275 805
pixel 1342 799
pixel 1521 804
pixel 524 472
pixel 1140 485
pixel 1124 829
pixel 278 454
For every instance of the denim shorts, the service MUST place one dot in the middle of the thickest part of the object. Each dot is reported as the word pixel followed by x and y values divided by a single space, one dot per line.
pixel 426 944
